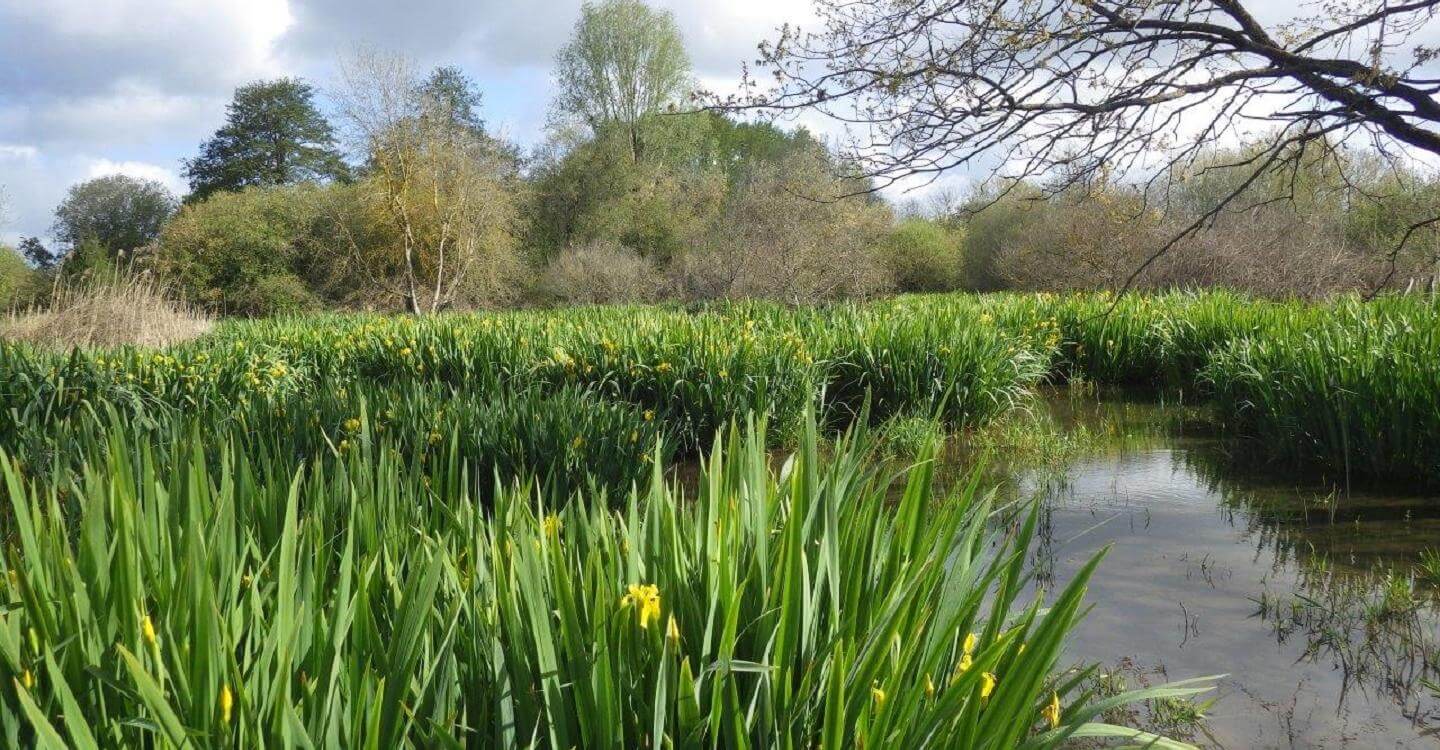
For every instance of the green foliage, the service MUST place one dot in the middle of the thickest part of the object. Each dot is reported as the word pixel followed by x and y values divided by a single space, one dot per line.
pixel 273 135
pixel 625 63
pixel 33 250
pixel 597 192
pixel 244 253
pixel 1002 218
pixel 925 255
pixel 118 212
pixel 17 280
pixel 1353 391
pixel 237 596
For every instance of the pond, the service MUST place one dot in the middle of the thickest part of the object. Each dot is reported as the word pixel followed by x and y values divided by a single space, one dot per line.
pixel 1308 598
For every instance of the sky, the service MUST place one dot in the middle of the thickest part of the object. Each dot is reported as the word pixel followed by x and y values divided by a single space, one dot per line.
pixel 96 87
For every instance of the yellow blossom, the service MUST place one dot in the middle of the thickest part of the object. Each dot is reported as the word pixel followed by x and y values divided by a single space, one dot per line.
pixel 929 687
pixel 147 629
pixel 987 684
pixel 1051 712
pixel 672 631
pixel 649 415
pixel 227 703
pixel 645 598
pixel 970 642
pixel 877 694
pixel 28 680
pixel 551 525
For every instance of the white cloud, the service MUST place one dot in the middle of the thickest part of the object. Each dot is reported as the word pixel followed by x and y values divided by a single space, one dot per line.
pixel 139 169
pixel 10 151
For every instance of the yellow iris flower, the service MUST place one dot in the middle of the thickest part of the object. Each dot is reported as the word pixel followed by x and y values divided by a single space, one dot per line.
pixel 1051 712
pixel 645 598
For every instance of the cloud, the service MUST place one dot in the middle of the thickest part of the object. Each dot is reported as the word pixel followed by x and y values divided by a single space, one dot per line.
pixel 76 48
pixel 139 169
pixel 460 31
pixel 13 152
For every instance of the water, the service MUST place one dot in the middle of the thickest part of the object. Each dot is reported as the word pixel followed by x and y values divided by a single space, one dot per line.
pixel 1271 582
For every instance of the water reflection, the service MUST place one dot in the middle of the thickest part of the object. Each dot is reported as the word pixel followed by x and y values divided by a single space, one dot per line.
pixel 1305 596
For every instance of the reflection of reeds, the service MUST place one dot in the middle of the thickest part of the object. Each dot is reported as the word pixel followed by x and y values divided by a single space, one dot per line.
pixel 1373 626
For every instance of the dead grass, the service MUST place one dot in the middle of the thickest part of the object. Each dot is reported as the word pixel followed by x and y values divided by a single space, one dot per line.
pixel 124 310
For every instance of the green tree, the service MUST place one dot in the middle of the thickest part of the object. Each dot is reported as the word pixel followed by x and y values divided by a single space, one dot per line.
pixel 450 94
pixel 625 62
pixel 924 255
pixel 118 213
pixel 597 192
pixel 273 135
pixel 33 250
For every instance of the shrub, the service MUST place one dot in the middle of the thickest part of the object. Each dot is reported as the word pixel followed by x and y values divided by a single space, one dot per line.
pixel 239 252
pixel 599 273
pixel 924 255
pixel 787 234
pixel 17 280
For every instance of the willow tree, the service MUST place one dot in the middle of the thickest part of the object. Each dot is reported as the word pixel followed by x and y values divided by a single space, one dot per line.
pixel 432 221
pixel 625 63
pixel 1074 90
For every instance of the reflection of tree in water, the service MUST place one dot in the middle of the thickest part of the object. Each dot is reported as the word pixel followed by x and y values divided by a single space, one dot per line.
pixel 1369 618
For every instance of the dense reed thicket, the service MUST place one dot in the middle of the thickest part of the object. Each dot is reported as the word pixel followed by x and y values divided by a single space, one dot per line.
pixel 1346 387
pixel 207 595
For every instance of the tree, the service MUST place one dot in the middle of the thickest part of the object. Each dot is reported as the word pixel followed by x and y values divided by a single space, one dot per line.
pixel 440 199
pixel 450 94
pixel 273 135
pixel 33 250
pixel 597 192
pixel 625 62
pixel 1065 90
pixel 17 280
pixel 118 213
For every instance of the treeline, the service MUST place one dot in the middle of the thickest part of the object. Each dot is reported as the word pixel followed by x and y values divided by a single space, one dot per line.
pixel 407 200
pixel 1337 221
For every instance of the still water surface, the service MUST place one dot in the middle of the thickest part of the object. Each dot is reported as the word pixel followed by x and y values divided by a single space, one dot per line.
pixel 1282 587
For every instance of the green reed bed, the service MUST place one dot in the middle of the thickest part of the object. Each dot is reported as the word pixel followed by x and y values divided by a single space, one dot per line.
pixel 210 598
pixel 1299 378
pixel 690 371
pixel 1356 393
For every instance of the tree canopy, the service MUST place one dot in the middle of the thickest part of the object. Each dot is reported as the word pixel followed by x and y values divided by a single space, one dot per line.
pixel 117 212
pixel 273 135
pixel 625 62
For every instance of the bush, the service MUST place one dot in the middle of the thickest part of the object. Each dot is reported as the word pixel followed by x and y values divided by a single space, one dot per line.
pixel 787 235
pixel 600 273
pixel 17 280
pixel 240 253
pixel 924 255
